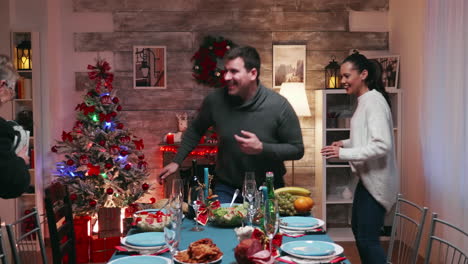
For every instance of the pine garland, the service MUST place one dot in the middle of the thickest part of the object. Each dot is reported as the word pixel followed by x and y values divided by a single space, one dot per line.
pixel 103 162
pixel 208 65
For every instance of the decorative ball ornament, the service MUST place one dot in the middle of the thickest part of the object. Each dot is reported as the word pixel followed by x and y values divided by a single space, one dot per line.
pixel 102 142
pixel 84 159
pixel 123 153
pixel 128 167
pixel 115 100
pixel 108 166
pixel 92 203
pixel 109 191
pixel 54 149
pixel 120 126
pixel 70 162
pixel 73 197
pixel 145 186
pixel 208 65
pixel 114 150
pixel 152 200
pixel 141 157
pixel 119 108
pixel 142 165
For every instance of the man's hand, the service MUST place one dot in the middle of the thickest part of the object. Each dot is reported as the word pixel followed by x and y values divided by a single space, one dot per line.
pixel 249 143
pixel 167 171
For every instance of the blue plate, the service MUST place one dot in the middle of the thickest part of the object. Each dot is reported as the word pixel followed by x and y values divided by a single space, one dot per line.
pixel 309 248
pixel 298 221
pixel 147 239
pixel 141 260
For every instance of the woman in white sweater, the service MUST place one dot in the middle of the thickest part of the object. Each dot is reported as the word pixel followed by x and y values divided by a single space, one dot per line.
pixel 370 151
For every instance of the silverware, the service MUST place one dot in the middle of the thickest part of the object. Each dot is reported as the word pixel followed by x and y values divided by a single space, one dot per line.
pixel 234 197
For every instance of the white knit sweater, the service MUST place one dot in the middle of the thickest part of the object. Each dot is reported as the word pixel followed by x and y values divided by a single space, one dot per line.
pixel 370 149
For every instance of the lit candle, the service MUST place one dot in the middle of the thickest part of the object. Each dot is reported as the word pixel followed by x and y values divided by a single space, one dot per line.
pixel 333 82
pixel 170 138
pixel 207 181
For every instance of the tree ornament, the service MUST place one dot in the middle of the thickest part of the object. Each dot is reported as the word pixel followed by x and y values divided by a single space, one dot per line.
pixel 73 197
pixel 108 165
pixel 54 149
pixel 115 100
pixel 114 150
pixel 70 162
pixel 84 159
pixel 123 153
pixel 102 142
pixel 145 186
pixel 92 203
pixel 125 139
pixel 120 126
pixel 109 191
pixel 128 167
pixel 141 157
pixel 139 144
pixel 152 200
pixel 119 108
pixel 208 63
pixel 142 165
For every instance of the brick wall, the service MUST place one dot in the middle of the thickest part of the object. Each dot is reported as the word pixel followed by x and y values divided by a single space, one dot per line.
pixel 321 25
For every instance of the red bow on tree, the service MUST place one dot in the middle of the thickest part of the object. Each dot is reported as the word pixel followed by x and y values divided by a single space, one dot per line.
pixel 89 109
pixel 107 117
pixel 139 144
pixel 67 136
pixel 93 170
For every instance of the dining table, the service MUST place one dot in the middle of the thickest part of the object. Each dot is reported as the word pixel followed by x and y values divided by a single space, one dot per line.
pixel 225 238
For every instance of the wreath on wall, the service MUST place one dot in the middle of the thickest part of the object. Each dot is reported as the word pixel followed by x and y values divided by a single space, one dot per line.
pixel 208 65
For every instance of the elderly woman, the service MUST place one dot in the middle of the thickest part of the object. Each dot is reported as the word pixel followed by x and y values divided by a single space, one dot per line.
pixel 14 179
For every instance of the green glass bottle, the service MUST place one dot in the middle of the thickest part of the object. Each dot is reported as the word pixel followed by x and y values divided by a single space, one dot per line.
pixel 270 185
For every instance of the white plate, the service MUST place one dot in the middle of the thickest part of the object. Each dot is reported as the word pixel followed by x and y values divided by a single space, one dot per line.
pixel 338 250
pixel 320 224
pixel 141 260
pixel 211 262
pixel 123 242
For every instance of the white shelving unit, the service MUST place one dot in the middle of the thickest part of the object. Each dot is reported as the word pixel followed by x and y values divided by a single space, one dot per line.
pixel 332 114
pixel 30 102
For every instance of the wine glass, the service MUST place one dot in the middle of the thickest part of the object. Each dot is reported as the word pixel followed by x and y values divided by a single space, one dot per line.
pixel 177 193
pixel 172 229
pixel 271 219
pixel 249 191
pixel 197 198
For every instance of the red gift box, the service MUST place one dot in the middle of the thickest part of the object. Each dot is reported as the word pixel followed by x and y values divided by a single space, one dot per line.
pixel 103 248
pixel 80 224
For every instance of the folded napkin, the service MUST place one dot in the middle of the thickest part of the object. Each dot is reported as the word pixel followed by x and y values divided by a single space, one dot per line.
pixel 262 257
pixel 299 233
pixel 295 260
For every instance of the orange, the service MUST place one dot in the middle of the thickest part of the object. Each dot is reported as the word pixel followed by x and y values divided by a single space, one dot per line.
pixel 303 204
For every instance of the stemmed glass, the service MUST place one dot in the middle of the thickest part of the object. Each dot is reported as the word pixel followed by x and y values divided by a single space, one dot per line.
pixel 196 200
pixel 177 193
pixel 271 219
pixel 249 191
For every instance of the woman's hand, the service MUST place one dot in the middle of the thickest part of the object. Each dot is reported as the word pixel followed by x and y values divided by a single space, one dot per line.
pixel 332 151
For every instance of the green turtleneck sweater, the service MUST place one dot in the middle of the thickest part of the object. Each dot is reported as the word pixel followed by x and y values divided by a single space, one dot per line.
pixel 268 115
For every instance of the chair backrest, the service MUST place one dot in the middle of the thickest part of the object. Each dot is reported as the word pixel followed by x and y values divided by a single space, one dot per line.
pixel 25 236
pixel 440 249
pixel 408 223
pixel 3 257
pixel 60 222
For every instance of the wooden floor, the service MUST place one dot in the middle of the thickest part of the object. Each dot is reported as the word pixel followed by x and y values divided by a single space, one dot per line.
pixel 352 253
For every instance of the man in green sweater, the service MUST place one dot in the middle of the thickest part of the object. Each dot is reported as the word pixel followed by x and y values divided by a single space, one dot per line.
pixel 257 128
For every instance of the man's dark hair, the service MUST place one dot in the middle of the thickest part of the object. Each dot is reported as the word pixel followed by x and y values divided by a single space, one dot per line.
pixel 249 55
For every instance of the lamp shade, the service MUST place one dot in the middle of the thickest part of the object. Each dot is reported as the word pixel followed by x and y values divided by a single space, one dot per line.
pixel 296 95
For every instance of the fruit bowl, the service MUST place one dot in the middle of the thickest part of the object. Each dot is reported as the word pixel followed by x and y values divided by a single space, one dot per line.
pixel 227 216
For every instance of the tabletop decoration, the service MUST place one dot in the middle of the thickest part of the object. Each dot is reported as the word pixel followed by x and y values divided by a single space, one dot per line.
pixel 151 222
pixel 208 66
pixel 205 211
pixel 263 238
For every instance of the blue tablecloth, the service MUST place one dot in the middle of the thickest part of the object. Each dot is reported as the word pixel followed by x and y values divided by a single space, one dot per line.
pixel 224 238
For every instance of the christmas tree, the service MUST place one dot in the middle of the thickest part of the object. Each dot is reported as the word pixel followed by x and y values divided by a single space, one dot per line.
pixel 104 164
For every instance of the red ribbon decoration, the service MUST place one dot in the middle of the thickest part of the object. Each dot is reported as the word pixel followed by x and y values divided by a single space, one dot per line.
pixel 277 240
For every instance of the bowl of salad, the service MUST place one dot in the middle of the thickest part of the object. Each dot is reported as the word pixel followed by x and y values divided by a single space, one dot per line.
pixel 228 216
pixel 151 220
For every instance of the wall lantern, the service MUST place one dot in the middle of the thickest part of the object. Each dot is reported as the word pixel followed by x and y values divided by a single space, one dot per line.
pixel 23 55
pixel 332 75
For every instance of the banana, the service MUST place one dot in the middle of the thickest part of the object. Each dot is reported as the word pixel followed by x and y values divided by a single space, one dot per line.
pixel 293 190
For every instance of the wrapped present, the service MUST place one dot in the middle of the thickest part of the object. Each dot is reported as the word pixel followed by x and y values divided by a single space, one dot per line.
pixel 81 225
pixel 103 248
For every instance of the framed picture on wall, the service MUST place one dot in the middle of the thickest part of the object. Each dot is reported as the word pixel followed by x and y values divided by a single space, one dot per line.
pixel 149 67
pixel 289 64
pixel 390 68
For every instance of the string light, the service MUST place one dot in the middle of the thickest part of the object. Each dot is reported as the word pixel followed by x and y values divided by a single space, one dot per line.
pixel 198 151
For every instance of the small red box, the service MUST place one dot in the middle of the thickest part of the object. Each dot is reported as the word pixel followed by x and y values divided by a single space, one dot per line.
pixel 103 248
pixel 80 224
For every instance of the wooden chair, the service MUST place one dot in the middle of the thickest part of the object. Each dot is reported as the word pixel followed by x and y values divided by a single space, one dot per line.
pixel 3 257
pixel 60 222
pixel 440 249
pixel 408 223
pixel 25 236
